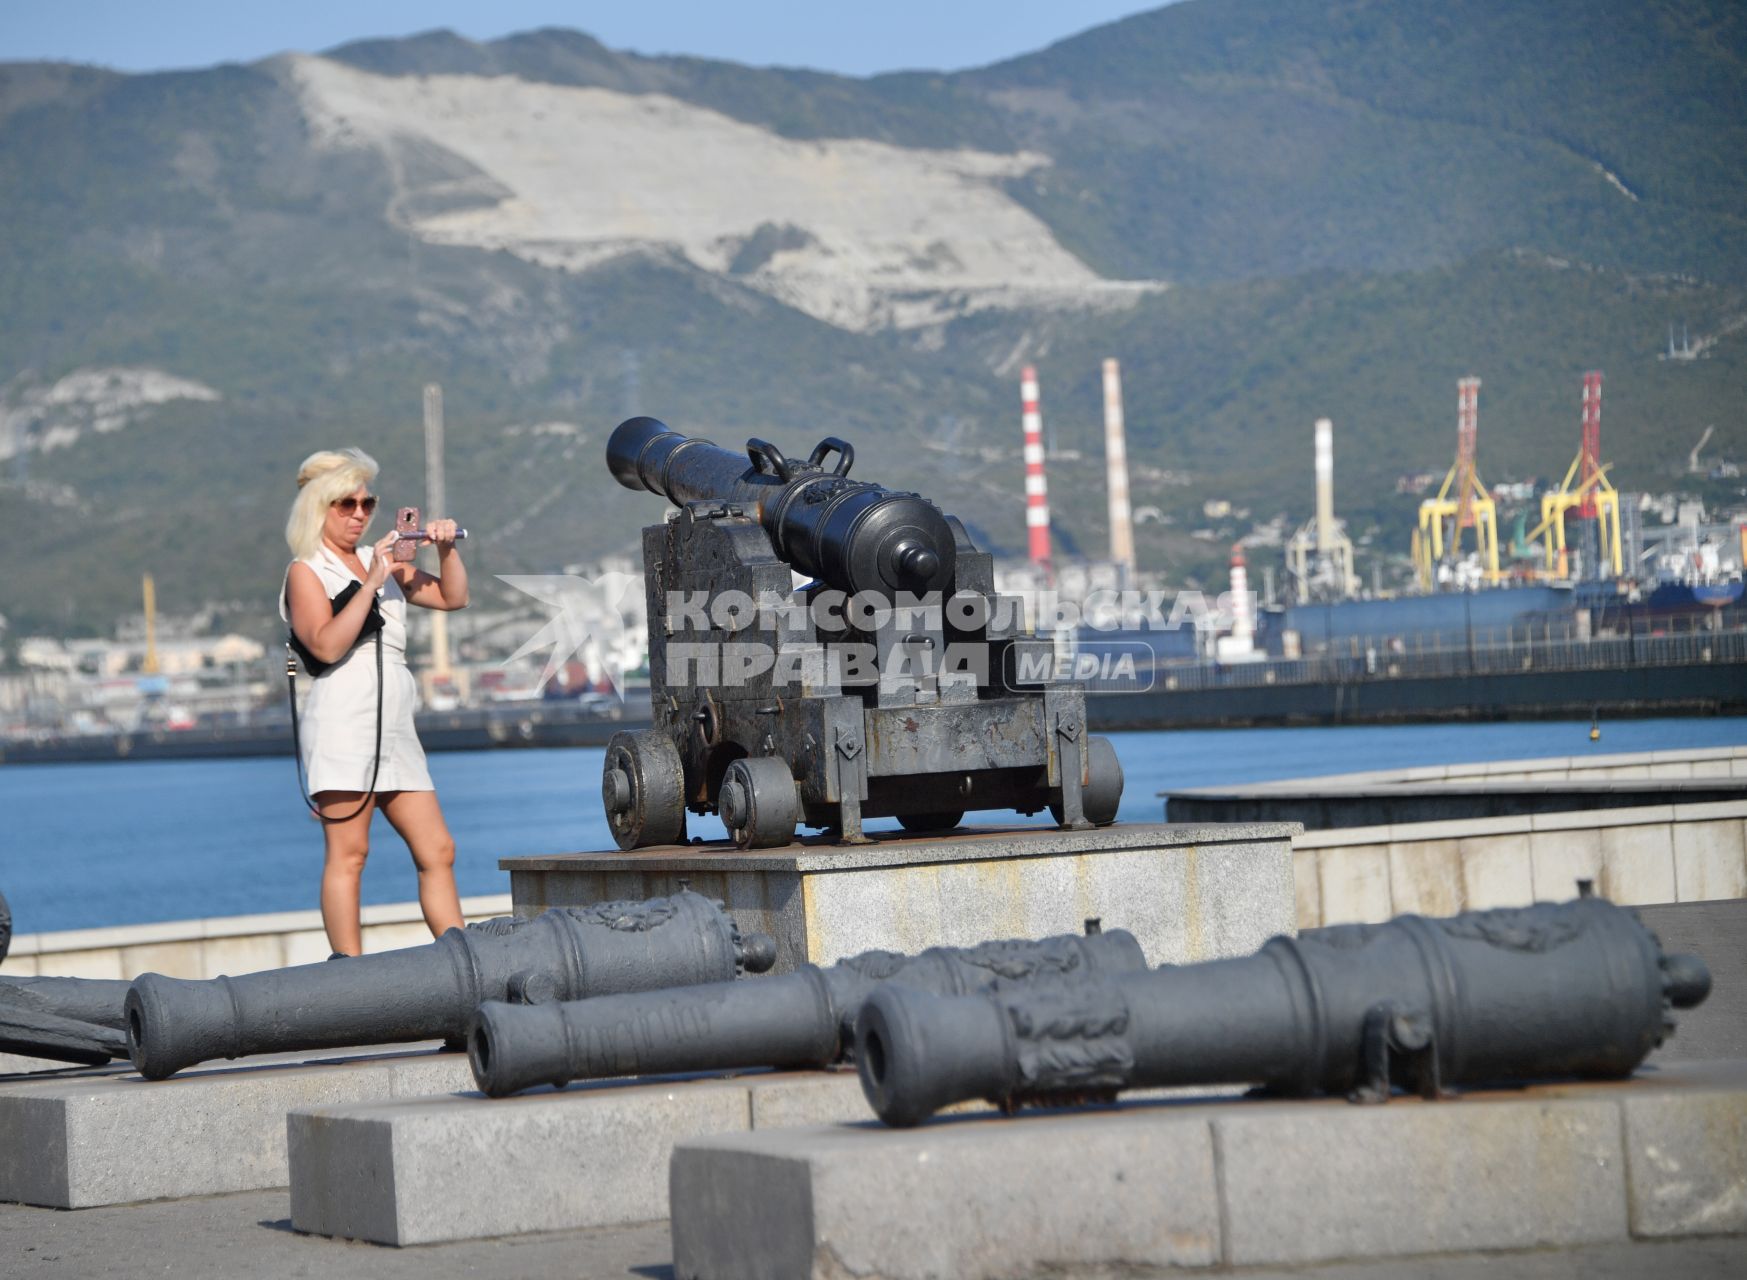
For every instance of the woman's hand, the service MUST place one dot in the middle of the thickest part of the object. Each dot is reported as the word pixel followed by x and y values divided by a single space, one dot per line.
pixel 381 562
pixel 442 533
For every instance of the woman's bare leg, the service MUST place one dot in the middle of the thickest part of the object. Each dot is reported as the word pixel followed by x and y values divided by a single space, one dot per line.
pixel 348 844
pixel 419 819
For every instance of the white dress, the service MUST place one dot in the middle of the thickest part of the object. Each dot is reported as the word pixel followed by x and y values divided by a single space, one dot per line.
pixel 338 722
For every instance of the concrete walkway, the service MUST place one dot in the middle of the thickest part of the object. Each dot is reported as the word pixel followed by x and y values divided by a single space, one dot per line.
pixel 249 1234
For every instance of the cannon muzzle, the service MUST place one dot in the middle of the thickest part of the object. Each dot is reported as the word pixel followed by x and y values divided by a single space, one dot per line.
pixel 801 1019
pixel 431 992
pixel 1578 989
pixel 852 534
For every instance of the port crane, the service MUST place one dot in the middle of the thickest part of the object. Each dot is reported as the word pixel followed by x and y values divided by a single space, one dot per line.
pixel 1593 497
pixel 1462 501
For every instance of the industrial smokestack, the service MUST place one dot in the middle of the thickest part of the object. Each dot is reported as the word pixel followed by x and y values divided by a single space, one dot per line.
pixel 1325 485
pixel 436 506
pixel 1116 474
pixel 1036 488
pixel 1240 644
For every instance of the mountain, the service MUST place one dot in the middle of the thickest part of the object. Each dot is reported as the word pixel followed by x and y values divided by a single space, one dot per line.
pixel 1270 210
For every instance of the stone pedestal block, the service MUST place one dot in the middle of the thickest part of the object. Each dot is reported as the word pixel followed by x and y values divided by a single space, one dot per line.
pixel 109 1137
pixel 1186 892
pixel 1242 1183
pixel 595 1155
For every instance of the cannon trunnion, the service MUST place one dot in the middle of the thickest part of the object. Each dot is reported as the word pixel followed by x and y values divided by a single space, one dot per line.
pixel 887 686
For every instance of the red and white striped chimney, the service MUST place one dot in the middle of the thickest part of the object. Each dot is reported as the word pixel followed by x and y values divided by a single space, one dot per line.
pixel 1036 487
pixel 1243 612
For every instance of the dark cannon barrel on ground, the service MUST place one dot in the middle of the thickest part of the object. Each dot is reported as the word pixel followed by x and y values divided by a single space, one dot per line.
pixel 800 1019
pixel 852 534
pixel 67 1019
pixel 431 992
pixel 1577 989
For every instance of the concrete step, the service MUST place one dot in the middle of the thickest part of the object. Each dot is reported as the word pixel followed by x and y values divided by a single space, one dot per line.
pixel 1240 1183
pixel 105 1136
pixel 594 1155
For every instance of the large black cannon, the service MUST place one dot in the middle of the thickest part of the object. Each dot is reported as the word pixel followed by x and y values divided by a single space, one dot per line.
pixel 896 683
pixel 431 992
pixel 801 1019
pixel 1577 989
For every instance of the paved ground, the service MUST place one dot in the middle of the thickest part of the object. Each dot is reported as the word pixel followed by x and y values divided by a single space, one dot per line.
pixel 249 1234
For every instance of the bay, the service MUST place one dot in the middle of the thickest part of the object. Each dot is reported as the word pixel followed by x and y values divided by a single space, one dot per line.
pixel 92 845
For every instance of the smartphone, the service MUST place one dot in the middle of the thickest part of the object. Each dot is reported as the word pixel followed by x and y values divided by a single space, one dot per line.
pixel 406 520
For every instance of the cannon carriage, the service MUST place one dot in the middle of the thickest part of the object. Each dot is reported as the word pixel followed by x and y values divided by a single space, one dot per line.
pixel 890 684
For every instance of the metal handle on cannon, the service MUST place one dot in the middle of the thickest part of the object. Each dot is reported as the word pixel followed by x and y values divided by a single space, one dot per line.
pixel 825 448
pixel 768 460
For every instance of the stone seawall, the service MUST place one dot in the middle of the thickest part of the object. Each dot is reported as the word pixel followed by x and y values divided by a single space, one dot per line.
pixel 223 945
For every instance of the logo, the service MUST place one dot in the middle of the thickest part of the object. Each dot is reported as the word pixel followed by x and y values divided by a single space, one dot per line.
pixel 588 621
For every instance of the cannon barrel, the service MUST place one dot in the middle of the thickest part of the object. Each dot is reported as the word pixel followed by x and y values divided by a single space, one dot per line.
pixel 67 1019
pixel 800 1019
pixel 430 992
pixel 850 534
pixel 1577 989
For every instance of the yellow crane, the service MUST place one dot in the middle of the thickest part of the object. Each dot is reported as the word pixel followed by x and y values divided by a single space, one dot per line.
pixel 1462 501
pixel 149 664
pixel 1594 498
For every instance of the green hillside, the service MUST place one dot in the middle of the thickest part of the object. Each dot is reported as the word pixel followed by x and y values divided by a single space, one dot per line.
pixel 1355 203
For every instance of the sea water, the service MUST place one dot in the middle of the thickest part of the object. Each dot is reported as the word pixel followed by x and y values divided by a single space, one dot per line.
pixel 90 845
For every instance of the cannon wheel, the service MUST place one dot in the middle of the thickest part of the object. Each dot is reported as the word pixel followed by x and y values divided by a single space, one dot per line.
pixel 5 927
pixel 930 821
pixel 759 803
pixel 643 789
pixel 1103 790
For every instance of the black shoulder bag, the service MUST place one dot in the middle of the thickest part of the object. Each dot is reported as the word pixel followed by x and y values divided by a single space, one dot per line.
pixel 372 626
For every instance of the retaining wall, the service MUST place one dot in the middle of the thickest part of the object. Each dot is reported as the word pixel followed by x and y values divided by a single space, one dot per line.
pixel 223 945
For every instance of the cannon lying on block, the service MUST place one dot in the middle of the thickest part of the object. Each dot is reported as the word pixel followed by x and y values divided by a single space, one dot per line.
pixel 1578 989
pixel 431 992
pixel 77 1020
pixel 801 1019
pixel 896 683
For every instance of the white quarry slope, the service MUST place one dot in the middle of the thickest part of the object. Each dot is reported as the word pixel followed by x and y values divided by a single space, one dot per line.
pixel 33 416
pixel 859 234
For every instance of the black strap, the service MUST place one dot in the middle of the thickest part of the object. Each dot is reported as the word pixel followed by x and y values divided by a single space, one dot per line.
pixel 297 743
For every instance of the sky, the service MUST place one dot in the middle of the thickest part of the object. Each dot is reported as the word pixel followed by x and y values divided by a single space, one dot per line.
pixel 852 37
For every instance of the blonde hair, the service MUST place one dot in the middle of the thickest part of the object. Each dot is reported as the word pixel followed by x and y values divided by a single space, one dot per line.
pixel 322 480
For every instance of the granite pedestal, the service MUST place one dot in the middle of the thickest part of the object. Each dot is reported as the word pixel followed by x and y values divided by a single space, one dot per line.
pixel 1187 892
pixel 105 1136
pixel 462 1167
pixel 1239 1183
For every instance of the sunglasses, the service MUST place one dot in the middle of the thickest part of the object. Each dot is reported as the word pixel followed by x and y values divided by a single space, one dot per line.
pixel 348 505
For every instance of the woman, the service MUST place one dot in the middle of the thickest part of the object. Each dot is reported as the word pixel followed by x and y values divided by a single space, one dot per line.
pixel 333 508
